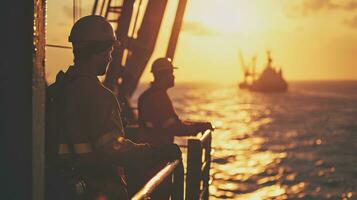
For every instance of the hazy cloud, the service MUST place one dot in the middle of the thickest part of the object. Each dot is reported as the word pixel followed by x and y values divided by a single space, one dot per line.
pixel 61 24
pixel 307 7
pixel 68 11
pixel 343 53
pixel 197 28
pixel 350 6
pixel 351 22
pixel 315 5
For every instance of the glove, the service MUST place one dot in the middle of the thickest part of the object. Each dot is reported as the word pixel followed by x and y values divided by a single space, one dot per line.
pixel 167 152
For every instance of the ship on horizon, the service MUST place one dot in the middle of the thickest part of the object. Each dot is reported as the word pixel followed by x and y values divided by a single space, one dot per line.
pixel 270 80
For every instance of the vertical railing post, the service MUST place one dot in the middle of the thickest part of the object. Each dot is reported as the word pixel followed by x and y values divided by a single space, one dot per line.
pixel 178 183
pixel 206 176
pixel 194 163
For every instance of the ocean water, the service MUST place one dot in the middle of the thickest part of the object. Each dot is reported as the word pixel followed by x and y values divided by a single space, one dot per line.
pixel 297 145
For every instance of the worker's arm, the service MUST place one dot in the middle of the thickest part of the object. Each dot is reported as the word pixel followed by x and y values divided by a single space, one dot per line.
pixel 126 153
pixel 162 116
pixel 111 146
pixel 177 127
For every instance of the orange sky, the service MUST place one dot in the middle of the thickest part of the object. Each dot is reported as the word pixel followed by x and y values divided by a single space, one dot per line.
pixel 309 39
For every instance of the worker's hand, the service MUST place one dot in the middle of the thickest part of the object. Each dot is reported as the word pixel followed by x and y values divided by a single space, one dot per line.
pixel 167 152
pixel 123 145
pixel 206 126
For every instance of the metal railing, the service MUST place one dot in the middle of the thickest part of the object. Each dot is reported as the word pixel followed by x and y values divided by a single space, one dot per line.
pixel 198 167
pixel 197 177
pixel 172 170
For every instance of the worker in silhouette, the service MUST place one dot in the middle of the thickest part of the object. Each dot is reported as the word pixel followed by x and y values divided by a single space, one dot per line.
pixel 85 123
pixel 158 120
pixel 157 116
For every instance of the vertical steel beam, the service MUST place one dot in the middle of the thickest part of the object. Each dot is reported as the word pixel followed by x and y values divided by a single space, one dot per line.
pixel 38 99
pixel 144 45
pixel 22 99
pixel 113 73
pixel 94 9
pixel 176 28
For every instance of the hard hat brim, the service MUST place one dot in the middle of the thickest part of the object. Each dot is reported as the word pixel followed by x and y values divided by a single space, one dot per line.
pixel 161 70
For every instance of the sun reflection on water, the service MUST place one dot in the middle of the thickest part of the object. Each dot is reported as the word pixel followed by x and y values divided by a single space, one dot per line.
pixel 263 193
pixel 238 159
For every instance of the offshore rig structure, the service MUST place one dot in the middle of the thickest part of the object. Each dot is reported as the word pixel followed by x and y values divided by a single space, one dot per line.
pixel 23 92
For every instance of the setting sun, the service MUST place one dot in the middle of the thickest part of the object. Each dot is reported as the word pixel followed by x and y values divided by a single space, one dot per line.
pixel 230 17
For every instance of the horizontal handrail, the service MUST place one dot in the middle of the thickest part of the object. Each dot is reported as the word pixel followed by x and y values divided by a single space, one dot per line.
pixel 203 139
pixel 197 171
pixel 150 186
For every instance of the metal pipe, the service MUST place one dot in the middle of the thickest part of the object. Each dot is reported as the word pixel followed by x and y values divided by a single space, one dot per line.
pixel 58 46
